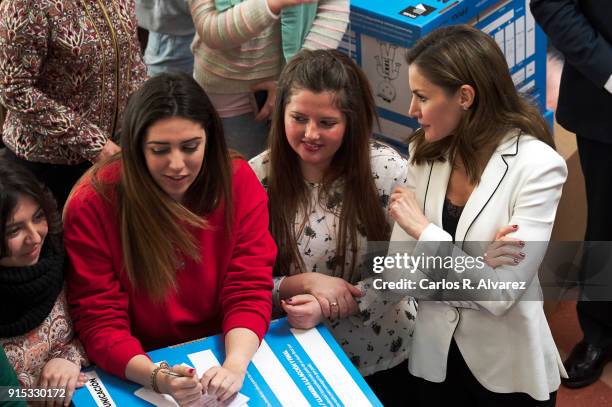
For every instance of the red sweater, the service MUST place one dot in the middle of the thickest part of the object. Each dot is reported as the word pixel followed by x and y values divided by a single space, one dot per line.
pixel 229 288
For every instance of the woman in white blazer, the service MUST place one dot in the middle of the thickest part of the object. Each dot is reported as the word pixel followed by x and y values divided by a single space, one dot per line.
pixel 484 158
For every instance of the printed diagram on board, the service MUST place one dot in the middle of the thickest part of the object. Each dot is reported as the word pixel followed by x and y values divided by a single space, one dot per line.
pixel 384 63
pixel 388 69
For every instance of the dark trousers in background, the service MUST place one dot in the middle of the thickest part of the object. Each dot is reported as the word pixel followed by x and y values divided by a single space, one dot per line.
pixel 393 387
pixel 594 314
pixel 462 389
pixel 143 38
pixel 57 177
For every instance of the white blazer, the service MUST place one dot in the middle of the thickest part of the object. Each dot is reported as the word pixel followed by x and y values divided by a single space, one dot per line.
pixel 507 344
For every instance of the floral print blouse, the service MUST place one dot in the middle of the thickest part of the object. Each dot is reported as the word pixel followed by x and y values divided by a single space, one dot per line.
pixel 67 68
pixel 386 342
pixel 53 338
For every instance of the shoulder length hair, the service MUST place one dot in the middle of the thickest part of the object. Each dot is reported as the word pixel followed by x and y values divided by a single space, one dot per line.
pixel 156 229
pixel 453 56
pixel 16 181
pixel 361 210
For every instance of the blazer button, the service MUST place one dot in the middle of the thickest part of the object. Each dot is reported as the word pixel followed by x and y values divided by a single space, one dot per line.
pixel 452 315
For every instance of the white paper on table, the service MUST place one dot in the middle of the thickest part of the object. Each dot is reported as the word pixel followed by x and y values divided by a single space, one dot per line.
pixel 238 400
pixel 159 400
pixel 204 362
pixel 165 400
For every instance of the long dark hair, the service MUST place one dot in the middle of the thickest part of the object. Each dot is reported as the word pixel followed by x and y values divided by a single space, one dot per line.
pixel 16 181
pixel 153 225
pixel 453 56
pixel 361 210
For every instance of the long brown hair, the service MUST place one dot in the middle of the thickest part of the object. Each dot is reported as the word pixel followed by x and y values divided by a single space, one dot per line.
pixel 360 209
pixel 156 229
pixel 453 56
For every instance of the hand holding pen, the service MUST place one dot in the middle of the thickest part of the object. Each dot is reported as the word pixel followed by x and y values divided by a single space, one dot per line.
pixel 181 382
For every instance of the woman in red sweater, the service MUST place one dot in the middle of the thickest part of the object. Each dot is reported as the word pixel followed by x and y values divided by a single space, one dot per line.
pixel 169 242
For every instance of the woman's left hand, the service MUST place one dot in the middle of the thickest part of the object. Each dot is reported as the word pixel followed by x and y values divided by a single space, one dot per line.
pixel 303 311
pixel 222 381
pixel 60 373
pixel 504 250
pixel 405 210
pixel 336 296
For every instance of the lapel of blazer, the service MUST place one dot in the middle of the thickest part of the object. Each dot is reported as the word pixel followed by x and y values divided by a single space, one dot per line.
pixel 490 182
pixel 435 190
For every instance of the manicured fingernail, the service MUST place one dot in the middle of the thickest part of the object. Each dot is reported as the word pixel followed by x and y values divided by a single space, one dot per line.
pixel 191 370
pixel 289 300
pixel 516 261
pixel 522 254
pixel 521 243
pixel 514 226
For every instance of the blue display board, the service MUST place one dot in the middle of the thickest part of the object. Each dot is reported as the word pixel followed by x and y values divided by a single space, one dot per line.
pixel 292 368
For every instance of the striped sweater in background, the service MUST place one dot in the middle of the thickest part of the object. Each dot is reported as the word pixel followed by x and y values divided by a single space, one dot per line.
pixel 241 46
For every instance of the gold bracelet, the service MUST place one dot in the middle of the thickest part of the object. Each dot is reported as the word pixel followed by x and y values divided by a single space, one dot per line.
pixel 154 379
pixel 162 365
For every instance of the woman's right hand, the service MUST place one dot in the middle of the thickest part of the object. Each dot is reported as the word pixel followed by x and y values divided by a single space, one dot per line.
pixel 504 250
pixel 62 374
pixel 266 110
pixel 335 295
pixel 407 212
pixel 277 5
pixel 185 390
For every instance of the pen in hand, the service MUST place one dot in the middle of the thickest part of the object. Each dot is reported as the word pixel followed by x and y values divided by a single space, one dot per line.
pixel 185 389
pixel 170 373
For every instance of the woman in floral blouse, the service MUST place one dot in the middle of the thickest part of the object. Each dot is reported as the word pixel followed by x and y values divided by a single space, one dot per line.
pixel 35 330
pixel 328 185
pixel 66 71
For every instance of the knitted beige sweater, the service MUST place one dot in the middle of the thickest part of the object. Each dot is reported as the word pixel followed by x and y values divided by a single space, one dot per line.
pixel 241 46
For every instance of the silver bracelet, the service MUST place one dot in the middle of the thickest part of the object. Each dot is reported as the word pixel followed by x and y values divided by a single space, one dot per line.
pixel 276 291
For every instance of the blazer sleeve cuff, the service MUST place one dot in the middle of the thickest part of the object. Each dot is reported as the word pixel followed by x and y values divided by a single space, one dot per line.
pixel 433 233
pixel 608 84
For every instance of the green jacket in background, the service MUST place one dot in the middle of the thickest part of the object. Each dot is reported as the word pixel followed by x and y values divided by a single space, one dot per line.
pixel 8 378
